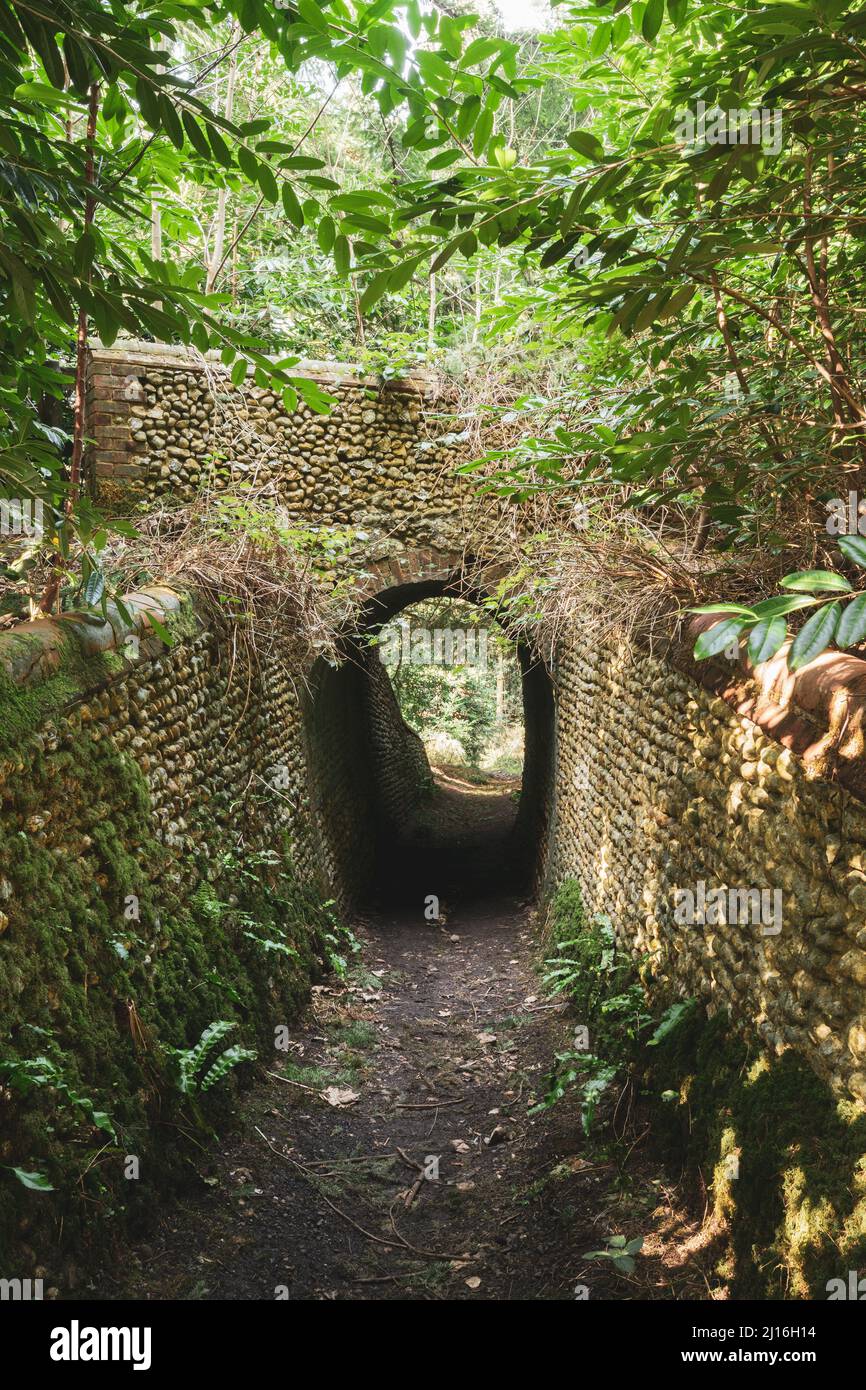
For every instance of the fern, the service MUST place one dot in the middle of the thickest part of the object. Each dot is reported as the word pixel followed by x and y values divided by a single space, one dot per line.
pixel 199 1067
pixel 24 1074
pixel 224 1063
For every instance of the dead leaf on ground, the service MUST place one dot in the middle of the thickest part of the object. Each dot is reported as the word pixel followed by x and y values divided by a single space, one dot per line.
pixel 339 1095
pixel 497 1135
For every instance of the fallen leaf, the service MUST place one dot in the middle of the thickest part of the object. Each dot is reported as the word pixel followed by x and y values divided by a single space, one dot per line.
pixel 473 1283
pixel 339 1095
pixel 485 1038
pixel 460 1146
pixel 498 1135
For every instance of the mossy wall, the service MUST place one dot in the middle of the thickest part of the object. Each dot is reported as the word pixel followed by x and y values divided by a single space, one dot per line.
pixel 157 873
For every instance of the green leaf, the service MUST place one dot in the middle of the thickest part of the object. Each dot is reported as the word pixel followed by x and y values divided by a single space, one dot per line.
pixel 159 628
pixel 103 1121
pixel 483 131
pixel 652 19
pixel 311 14
pixel 267 183
pixel 600 40
pixel 94 588
pixel 584 142
pixel 766 638
pixel 815 581
pixel 854 548
pixel 852 624
pixel 326 233
pixel 249 164
pixel 171 121
pixel 375 289
pixel 783 603
pixel 224 1063
pixel 219 146
pixel 814 637
pixel 239 372
pixel 719 636
pixel 292 207
pixel 37 1182
pixel 342 255
pixel 196 135
pixel 723 608
pixel 148 103
pixel 478 50
pixel 46 46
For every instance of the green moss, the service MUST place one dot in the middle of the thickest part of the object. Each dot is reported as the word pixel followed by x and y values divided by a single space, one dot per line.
pixel 107 960
pixel 183 623
pixel 794 1215
pixel 25 708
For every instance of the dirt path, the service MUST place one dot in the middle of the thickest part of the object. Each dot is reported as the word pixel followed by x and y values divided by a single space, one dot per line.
pixel 427 1177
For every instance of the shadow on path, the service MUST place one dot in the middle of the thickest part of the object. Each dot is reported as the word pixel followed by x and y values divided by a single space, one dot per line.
pixel 390 1154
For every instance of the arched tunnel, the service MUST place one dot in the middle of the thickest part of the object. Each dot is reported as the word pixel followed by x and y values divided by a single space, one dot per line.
pixel 371 783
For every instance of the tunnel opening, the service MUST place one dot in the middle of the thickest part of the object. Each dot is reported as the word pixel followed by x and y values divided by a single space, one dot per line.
pixel 430 747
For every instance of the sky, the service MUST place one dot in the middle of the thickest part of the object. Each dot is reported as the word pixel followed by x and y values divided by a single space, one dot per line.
pixel 523 14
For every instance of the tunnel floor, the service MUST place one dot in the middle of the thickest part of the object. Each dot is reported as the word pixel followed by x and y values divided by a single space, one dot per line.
pixel 458 848
pixel 394 1151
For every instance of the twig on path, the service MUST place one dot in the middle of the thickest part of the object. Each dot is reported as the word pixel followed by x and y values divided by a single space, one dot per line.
pixel 412 1192
pixel 414 1248
pixel 383 1278
pixel 370 1235
pixel 311 1090
pixel 359 1158
pixel 426 1104
pixel 413 1163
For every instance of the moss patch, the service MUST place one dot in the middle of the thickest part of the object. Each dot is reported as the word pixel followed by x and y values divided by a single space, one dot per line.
pixel 108 956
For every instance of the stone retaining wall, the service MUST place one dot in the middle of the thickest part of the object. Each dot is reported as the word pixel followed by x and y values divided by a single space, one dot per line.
pixel 663 786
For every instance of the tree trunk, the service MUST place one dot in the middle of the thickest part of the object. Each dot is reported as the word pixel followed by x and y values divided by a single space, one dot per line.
pixel 431 314
pixel 219 236
pixel 51 593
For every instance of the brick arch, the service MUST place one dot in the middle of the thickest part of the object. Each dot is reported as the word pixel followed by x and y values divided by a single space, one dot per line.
pixel 413 568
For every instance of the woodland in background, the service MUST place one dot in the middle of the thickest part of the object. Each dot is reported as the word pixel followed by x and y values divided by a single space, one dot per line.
pixel 458 684
pixel 668 324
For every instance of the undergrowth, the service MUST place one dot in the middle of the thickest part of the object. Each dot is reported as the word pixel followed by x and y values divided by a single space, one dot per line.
pixel 767 1156
pixel 113 965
